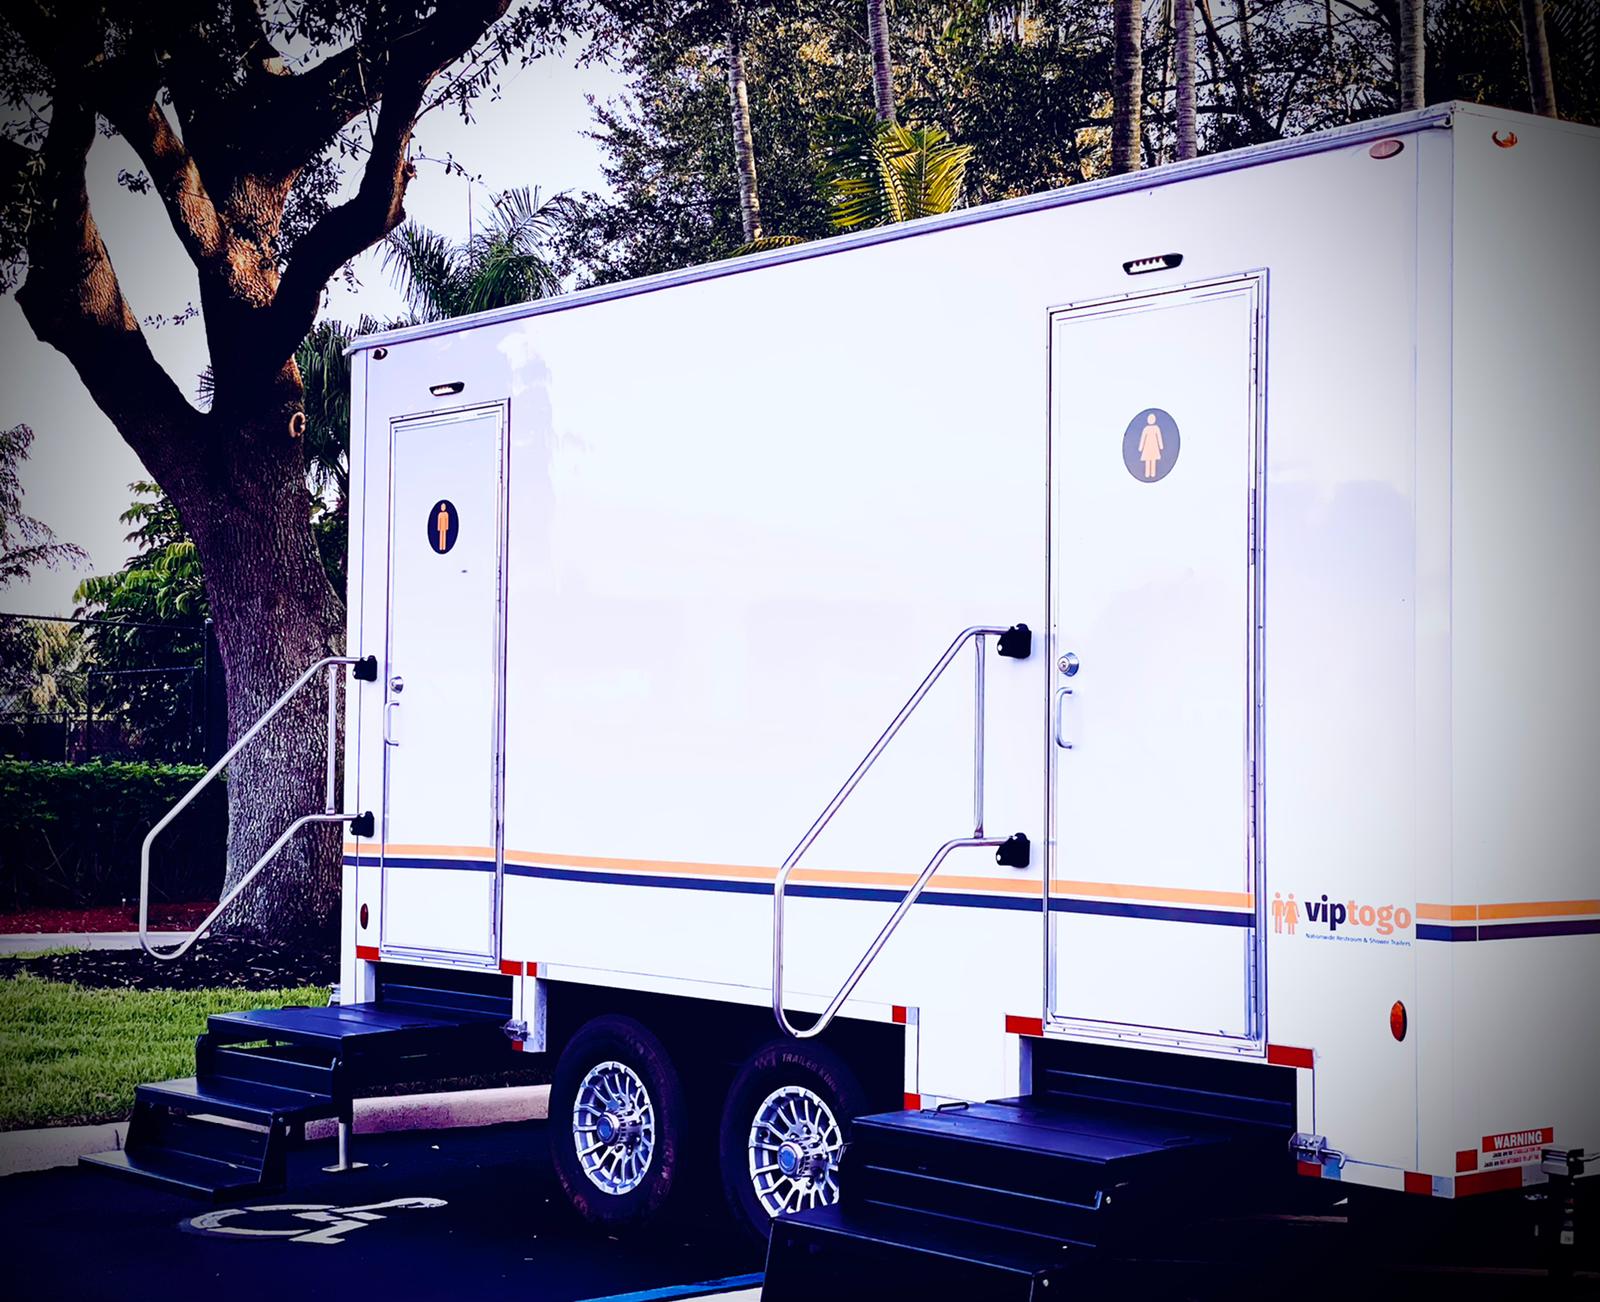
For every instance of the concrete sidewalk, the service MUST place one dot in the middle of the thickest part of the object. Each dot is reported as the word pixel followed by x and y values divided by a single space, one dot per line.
pixel 34 942
pixel 38 1150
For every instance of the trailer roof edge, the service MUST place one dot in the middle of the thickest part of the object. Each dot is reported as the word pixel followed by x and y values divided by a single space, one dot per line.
pixel 1436 117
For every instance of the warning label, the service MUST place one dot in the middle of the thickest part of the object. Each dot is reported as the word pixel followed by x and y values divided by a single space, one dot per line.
pixel 1515 1147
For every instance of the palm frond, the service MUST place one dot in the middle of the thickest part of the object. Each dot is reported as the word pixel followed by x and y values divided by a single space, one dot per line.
pixel 877 174
pixel 766 244
pixel 426 269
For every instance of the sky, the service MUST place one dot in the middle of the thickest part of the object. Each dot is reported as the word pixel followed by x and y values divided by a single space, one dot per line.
pixel 76 479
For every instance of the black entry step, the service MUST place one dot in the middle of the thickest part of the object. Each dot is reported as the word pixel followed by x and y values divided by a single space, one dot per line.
pixel 341 1026
pixel 239 1100
pixel 260 1075
pixel 843 1253
pixel 185 1172
pixel 1084 1173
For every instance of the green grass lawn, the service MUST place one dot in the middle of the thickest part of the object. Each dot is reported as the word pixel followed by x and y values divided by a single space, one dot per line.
pixel 69 1055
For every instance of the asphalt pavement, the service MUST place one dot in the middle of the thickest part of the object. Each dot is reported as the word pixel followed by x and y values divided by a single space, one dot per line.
pixel 435 1215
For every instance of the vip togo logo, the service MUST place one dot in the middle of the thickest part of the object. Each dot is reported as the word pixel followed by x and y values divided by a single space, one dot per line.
pixel 1289 917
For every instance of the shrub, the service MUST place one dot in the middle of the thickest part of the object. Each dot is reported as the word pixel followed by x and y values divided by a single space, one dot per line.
pixel 70 834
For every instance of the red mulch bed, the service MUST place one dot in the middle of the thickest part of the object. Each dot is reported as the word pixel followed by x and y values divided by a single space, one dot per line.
pixel 107 917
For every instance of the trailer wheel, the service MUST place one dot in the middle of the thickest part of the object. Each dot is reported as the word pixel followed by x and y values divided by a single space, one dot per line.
pixel 616 1122
pixel 783 1131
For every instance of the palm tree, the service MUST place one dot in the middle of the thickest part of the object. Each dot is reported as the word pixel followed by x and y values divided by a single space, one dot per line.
pixel 1183 39
pixel 506 262
pixel 881 172
pixel 1536 44
pixel 744 144
pixel 882 63
pixel 1411 54
pixel 1127 84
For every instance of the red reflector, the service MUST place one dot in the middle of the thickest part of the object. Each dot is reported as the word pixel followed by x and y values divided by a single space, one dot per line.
pixel 1397 1020
pixel 897 1014
pixel 1312 1169
pixel 1024 1025
pixel 1417 1183
pixel 1283 1055
pixel 367 952
pixel 363 917
pixel 510 967
pixel 913 1102
pixel 1387 148
pixel 1466 1160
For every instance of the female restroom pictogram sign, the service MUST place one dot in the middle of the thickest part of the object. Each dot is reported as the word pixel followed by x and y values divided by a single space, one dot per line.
pixel 444 526
pixel 1150 445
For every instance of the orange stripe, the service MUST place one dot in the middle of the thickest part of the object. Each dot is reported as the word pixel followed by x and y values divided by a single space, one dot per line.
pixel 685 868
pixel 1448 912
pixel 1538 909
pixel 1155 894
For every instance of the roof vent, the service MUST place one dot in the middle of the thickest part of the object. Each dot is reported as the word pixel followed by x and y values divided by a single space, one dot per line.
pixel 1161 262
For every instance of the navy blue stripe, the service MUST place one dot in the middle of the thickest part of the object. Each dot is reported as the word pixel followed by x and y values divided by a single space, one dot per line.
pixel 1510 930
pixel 765 888
pixel 1430 931
pixel 1522 930
pixel 1160 913
pixel 685 1290
pixel 948 898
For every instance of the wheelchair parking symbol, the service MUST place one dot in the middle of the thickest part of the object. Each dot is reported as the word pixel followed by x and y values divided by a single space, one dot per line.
pixel 302 1222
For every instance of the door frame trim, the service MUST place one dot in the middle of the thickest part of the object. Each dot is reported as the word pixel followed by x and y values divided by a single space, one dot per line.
pixel 1254 282
pixel 457 958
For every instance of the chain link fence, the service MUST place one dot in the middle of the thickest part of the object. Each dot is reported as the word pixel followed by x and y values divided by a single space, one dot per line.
pixel 74 690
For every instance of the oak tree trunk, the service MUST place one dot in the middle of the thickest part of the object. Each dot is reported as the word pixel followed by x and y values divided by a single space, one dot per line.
pixel 1128 85
pixel 744 145
pixel 1536 44
pixel 882 64
pixel 1183 40
pixel 247 512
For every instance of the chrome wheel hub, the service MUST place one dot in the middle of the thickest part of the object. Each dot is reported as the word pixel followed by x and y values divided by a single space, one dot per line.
pixel 614 1127
pixel 794 1149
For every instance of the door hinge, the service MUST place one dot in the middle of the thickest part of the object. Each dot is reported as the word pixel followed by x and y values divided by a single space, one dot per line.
pixel 1314 1148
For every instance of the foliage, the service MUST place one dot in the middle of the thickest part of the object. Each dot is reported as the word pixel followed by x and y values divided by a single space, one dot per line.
pixel 880 173
pixel 70 833
pixel 147 644
pixel 506 262
pixel 25 543
pixel 1025 84
pixel 54 1066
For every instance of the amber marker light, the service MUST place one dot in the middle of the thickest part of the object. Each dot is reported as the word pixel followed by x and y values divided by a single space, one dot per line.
pixel 1397 1020
pixel 1386 148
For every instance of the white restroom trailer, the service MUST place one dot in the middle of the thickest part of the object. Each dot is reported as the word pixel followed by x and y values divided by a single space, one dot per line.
pixel 1302 746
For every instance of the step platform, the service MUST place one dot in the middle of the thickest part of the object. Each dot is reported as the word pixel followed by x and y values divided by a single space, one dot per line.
pixel 1009 1199
pixel 262 1074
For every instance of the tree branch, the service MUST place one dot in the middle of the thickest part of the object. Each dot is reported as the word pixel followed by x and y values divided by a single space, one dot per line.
pixel 378 205
pixel 311 108
pixel 73 301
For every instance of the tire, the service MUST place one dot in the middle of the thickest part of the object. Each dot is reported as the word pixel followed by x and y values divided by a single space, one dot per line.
pixel 616 1080
pixel 793 1083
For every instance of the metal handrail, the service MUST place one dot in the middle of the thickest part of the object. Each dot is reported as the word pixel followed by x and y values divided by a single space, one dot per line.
pixel 977 839
pixel 331 664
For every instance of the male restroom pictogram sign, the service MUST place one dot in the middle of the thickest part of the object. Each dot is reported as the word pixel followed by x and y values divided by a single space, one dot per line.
pixel 444 525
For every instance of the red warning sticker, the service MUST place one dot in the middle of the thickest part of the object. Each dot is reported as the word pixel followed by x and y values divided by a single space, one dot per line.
pixel 1515 1147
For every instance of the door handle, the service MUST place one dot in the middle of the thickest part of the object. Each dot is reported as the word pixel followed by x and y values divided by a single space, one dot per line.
pixel 1058 721
pixel 390 736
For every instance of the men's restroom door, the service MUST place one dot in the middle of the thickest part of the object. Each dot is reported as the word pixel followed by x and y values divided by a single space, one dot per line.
pixel 443 700
pixel 1155 445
